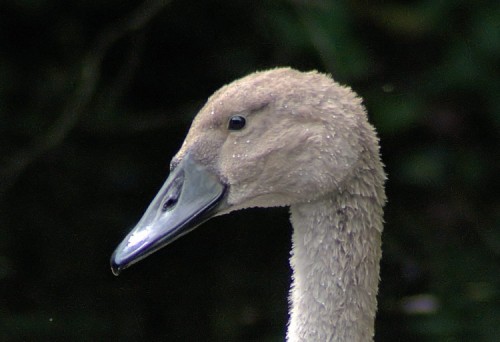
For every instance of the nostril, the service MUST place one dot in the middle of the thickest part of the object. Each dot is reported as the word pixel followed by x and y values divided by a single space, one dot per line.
pixel 169 203
pixel 173 192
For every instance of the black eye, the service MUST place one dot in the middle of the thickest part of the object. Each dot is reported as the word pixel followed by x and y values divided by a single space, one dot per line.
pixel 236 123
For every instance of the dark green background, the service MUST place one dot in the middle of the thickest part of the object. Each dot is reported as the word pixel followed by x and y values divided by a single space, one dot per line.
pixel 95 98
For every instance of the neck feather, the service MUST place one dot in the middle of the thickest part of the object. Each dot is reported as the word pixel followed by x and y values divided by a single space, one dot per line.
pixel 335 260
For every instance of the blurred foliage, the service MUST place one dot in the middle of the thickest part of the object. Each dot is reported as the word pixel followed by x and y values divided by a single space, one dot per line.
pixel 96 97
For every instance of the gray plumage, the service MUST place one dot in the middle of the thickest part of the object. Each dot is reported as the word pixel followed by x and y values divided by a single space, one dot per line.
pixel 307 144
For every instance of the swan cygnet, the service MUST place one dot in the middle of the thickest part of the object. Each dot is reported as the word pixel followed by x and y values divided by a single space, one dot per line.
pixel 285 138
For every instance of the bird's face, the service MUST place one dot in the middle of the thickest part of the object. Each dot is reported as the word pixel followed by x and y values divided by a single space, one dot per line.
pixel 274 140
pixel 270 139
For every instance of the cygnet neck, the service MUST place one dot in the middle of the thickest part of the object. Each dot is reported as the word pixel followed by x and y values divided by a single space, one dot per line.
pixel 335 262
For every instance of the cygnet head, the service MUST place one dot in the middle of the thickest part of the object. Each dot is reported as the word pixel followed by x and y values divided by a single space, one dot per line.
pixel 278 137
pixel 273 138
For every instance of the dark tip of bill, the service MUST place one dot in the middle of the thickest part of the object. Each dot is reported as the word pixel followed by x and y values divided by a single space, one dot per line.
pixel 115 268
